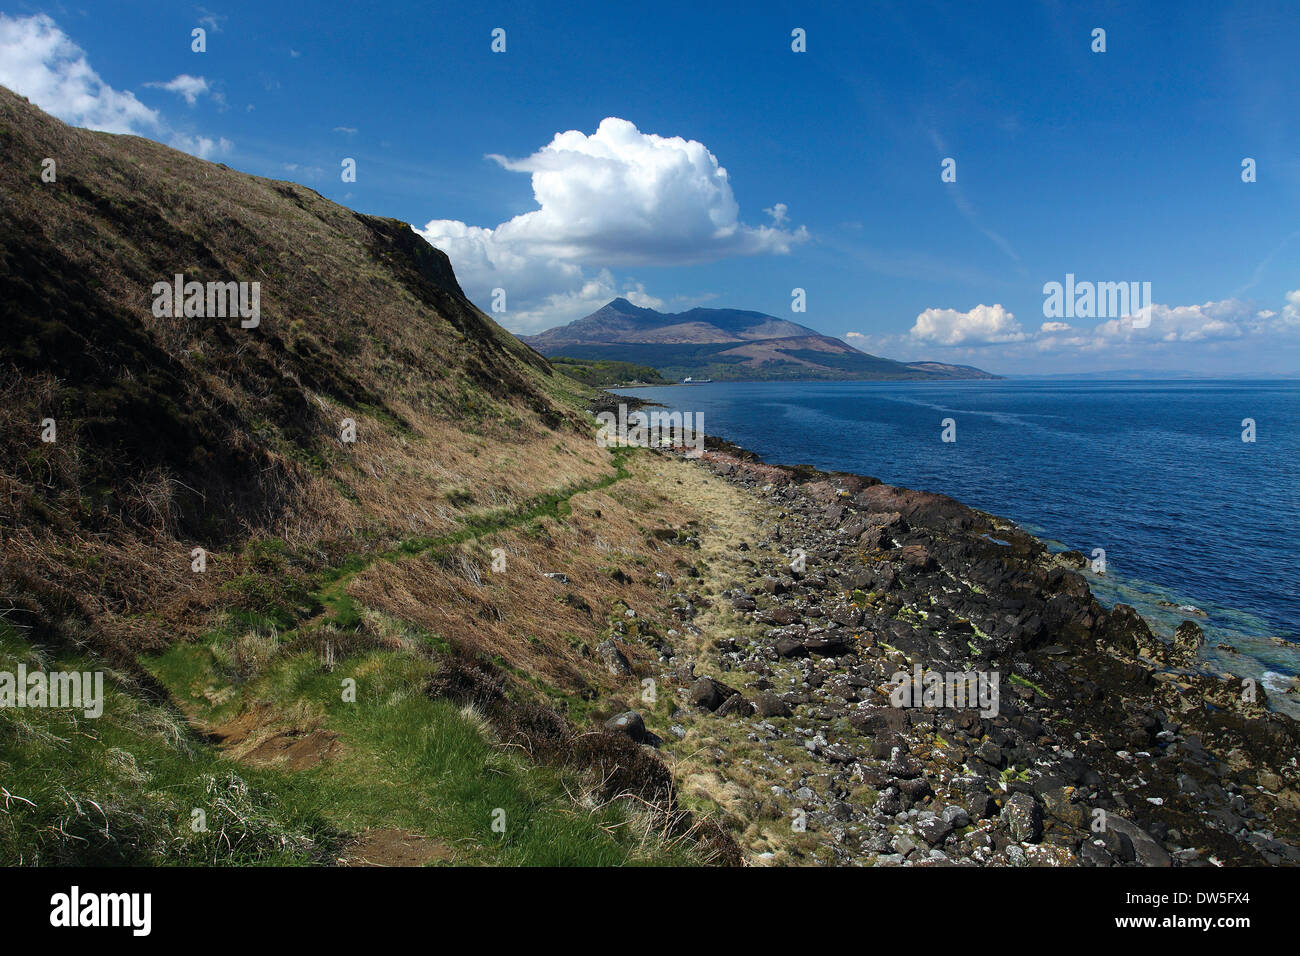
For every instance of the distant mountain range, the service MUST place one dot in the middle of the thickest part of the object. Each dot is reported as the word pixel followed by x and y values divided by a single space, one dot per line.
pixel 727 344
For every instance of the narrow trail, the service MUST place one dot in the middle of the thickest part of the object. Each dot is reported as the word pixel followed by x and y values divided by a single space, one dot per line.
pixel 556 504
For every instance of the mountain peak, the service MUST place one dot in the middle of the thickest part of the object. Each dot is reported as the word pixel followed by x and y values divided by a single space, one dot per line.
pixel 626 307
pixel 723 344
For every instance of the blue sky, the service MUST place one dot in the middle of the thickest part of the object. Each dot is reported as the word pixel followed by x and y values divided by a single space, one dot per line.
pixel 585 161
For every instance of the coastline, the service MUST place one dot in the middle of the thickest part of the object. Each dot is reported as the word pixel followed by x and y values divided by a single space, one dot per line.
pixel 1150 601
pixel 1097 712
pixel 1146 598
pixel 1249 624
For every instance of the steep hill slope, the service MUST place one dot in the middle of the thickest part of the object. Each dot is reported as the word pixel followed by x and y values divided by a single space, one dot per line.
pixel 232 519
pixel 201 432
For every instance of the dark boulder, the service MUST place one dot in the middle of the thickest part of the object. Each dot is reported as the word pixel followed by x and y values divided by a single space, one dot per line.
pixel 735 704
pixel 630 723
pixel 769 705
pixel 710 694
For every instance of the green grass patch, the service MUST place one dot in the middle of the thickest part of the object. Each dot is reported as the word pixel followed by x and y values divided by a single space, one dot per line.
pixel 1023 682
pixel 422 764
pixel 135 786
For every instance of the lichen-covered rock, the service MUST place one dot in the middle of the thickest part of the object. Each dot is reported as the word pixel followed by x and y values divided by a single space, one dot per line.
pixel 1023 818
pixel 613 659
pixel 1187 643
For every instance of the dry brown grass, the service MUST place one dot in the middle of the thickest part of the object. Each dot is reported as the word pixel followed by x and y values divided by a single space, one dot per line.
pixel 535 623
pixel 437 474
pixel 360 319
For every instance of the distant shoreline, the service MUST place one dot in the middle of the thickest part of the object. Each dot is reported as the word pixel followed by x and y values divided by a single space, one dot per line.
pixel 1107 378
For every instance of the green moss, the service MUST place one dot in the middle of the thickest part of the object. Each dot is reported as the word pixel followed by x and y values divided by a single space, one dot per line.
pixel 1017 679
pixel 864 797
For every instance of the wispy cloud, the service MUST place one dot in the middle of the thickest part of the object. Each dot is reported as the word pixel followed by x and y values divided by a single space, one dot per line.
pixel 210 20
pixel 190 88
pixel 964 206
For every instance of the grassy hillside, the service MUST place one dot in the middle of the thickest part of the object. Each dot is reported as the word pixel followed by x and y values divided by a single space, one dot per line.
pixel 412 560
pixel 603 374
pixel 723 362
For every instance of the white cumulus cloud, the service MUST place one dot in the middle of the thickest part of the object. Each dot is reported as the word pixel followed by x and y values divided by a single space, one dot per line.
pixel 1207 322
pixel 40 62
pixel 1221 321
pixel 616 197
pixel 204 147
pixel 1290 317
pixel 982 325
pixel 1176 333
pixel 780 213
pixel 189 87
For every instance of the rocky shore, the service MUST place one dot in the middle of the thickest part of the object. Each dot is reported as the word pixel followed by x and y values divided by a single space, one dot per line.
pixel 1105 746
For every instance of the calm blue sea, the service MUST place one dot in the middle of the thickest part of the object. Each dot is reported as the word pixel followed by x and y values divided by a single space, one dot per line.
pixel 1155 473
